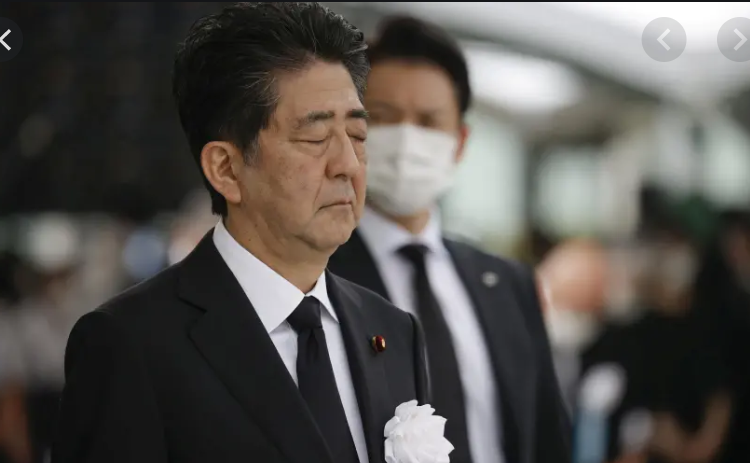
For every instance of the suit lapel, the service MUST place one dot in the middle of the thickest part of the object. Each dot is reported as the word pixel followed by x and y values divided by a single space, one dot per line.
pixel 502 323
pixel 235 343
pixel 367 370
pixel 354 260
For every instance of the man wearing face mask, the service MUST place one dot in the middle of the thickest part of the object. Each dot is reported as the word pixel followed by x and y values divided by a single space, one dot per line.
pixel 488 353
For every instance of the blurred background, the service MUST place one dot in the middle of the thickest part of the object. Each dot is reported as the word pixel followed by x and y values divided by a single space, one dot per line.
pixel 626 181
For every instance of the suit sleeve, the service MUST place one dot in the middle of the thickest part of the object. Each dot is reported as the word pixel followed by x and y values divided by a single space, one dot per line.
pixel 420 363
pixel 553 426
pixel 108 410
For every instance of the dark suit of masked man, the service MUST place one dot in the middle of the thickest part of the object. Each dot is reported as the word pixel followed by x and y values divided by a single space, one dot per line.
pixel 488 353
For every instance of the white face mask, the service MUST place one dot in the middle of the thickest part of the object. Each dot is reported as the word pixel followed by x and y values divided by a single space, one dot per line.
pixel 570 329
pixel 408 167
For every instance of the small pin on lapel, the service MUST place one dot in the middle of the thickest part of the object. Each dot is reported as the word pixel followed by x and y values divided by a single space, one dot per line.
pixel 378 343
pixel 490 279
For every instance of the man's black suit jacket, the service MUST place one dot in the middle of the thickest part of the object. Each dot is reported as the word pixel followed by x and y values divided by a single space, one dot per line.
pixel 536 427
pixel 180 369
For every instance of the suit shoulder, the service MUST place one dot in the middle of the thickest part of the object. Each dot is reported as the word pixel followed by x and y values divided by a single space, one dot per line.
pixel 519 278
pixel 373 299
pixel 504 265
pixel 137 300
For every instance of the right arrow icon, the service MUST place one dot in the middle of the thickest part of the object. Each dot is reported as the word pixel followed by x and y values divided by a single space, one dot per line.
pixel 743 39
pixel 733 39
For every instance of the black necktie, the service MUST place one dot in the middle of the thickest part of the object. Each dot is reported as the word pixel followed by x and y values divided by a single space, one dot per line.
pixel 447 393
pixel 317 383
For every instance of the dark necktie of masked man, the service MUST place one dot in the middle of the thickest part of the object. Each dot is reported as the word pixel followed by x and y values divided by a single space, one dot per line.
pixel 447 392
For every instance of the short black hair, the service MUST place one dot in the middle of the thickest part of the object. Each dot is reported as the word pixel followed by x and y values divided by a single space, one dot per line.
pixel 224 71
pixel 405 37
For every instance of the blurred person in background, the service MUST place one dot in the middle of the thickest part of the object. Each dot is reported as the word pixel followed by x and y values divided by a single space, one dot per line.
pixel 15 443
pixel 17 283
pixel 488 353
pixel 16 279
pixel 575 276
pixel 689 389
pixel 723 296
pixel 51 244
pixel 676 401
pixel 248 349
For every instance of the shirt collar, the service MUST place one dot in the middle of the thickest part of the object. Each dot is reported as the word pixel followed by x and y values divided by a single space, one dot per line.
pixel 385 237
pixel 273 297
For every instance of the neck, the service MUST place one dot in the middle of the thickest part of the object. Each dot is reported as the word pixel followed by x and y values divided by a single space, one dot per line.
pixel 414 224
pixel 296 263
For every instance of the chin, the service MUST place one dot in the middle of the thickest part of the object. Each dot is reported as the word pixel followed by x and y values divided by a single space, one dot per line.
pixel 330 238
pixel 341 236
pixel 333 228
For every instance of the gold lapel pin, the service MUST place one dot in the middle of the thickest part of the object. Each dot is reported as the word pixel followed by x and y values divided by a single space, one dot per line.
pixel 378 343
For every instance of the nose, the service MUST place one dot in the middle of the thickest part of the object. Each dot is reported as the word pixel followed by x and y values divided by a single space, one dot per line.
pixel 345 159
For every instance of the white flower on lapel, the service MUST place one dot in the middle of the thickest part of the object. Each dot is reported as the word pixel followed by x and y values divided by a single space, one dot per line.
pixel 415 435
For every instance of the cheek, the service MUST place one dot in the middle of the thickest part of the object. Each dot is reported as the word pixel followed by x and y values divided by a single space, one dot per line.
pixel 298 185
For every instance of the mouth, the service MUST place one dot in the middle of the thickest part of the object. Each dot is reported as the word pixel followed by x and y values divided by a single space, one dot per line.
pixel 342 202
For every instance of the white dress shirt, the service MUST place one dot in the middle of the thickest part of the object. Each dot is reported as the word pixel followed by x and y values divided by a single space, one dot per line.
pixel 274 299
pixel 384 238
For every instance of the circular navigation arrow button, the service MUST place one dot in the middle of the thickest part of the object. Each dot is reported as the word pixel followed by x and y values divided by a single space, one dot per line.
pixel 664 39
pixel 11 39
pixel 734 39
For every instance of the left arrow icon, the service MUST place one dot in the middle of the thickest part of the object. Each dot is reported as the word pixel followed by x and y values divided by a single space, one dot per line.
pixel 664 39
pixel 662 42
pixel 11 39
pixel 7 33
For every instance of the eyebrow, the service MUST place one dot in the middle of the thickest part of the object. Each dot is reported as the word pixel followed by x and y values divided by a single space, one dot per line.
pixel 317 116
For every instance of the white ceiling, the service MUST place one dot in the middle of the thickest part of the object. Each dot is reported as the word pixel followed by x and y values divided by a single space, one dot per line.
pixel 606 38
pixel 520 84
pixel 701 20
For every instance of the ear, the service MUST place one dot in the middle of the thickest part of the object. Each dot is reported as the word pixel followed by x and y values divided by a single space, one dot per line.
pixel 218 160
pixel 463 135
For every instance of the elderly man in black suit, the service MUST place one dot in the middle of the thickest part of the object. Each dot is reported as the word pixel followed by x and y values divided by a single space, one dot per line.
pixel 248 349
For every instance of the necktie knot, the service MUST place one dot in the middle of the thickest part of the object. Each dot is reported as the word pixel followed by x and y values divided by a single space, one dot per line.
pixel 306 316
pixel 414 253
